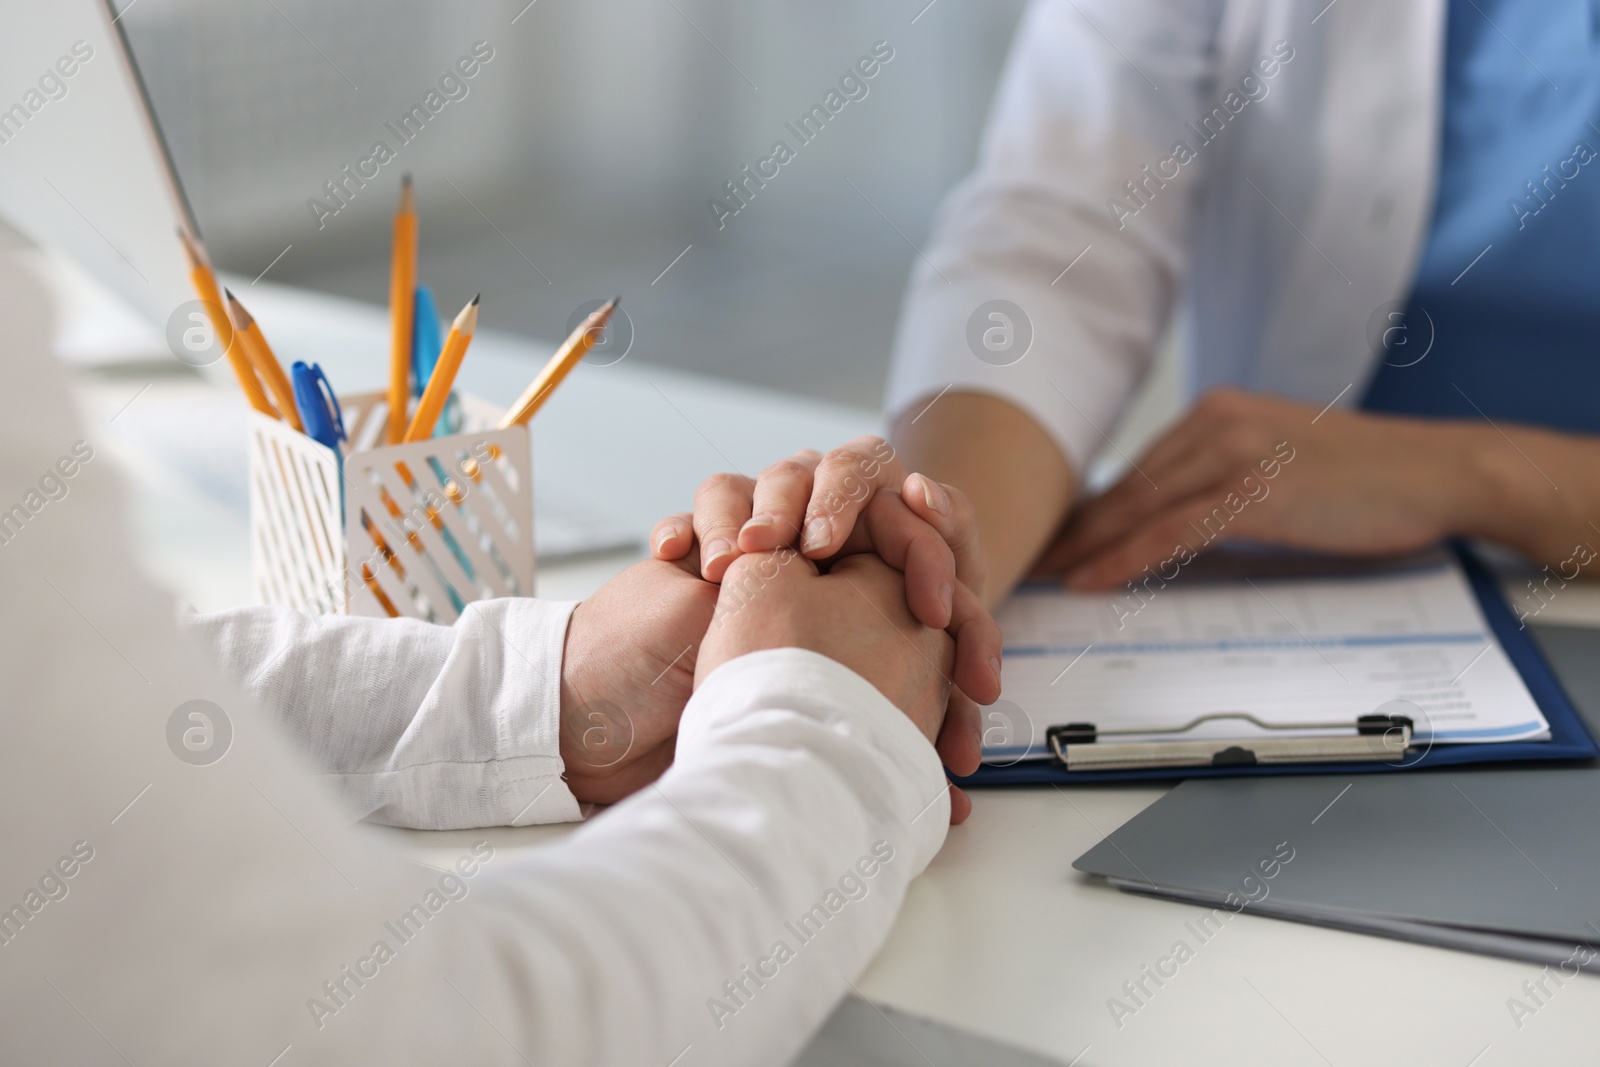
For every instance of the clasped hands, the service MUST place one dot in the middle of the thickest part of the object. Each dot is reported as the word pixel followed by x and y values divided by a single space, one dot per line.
pixel 843 554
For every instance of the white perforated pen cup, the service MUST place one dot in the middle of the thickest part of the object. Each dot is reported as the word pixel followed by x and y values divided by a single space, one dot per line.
pixel 428 527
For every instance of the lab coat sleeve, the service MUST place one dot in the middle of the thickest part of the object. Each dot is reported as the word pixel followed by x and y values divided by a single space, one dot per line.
pixel 1094 98
pixel 416 725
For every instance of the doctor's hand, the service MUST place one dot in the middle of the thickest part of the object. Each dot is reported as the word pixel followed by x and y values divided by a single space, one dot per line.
pixel 1241 465
pixel 856 615
pixel 921 528
pixel 815 502
pixel 868 505
pixel 627 671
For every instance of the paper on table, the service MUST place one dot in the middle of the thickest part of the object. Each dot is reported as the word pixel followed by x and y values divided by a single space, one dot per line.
pixel 1286 650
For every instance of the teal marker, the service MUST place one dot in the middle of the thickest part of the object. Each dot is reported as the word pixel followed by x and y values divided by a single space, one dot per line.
pixel 427 341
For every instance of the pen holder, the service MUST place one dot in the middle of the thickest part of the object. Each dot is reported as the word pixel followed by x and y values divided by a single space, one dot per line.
pixel 418 530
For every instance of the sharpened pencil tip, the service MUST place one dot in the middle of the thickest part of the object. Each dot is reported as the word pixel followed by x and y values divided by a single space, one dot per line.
pixel 616 300
pixel 228 293
pixel 467 320
pixel 476 299
pixel 405 179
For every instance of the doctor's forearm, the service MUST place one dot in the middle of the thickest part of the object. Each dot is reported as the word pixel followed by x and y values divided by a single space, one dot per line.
pixel 1010 468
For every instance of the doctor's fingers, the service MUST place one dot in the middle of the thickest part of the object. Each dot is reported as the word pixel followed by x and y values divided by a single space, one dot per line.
pixel 960 805
pixel 889 529
pixel 845 481
pixel 721 507
pixel 938 520
pixel 779 502
pixel 1223 418
pixel 934 592
pixel 1227 437
pixel 960 744
pixel 1164 544
pixel 1132 504
pixel 978 645
pixel 951 514
pixel 672 541
pixel 1163 473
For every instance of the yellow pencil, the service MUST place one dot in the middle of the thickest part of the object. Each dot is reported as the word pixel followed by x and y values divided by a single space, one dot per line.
pixel 573 349
pixel 402 309
pixel 205 286
pixel 437 390
pixel 249 337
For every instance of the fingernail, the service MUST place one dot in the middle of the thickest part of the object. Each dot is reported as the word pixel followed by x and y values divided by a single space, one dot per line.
pixel 934 494
pixel 818 533
pixel 717 549
pixel 994 665
pixel 759 521
pixel 947 597
pixel 665 538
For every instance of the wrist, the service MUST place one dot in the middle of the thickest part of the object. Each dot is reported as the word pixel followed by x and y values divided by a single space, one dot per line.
pixel 1507 495
pixel 575 693
pixel 1471 500
pixel 604 756
pixel 572 657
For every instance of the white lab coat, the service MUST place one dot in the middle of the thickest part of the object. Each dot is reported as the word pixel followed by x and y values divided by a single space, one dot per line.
pixel 1281 237
pixel 155 911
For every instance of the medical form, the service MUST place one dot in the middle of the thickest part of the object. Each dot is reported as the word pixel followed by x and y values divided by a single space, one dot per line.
pixel 1409 641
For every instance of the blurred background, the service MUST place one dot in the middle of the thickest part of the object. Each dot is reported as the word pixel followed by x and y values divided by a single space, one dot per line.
pixel 580 161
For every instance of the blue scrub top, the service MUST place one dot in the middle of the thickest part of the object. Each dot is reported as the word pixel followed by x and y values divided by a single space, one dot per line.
pixel 1508 289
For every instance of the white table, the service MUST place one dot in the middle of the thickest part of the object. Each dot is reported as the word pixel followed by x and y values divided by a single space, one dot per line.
pixel 1000 938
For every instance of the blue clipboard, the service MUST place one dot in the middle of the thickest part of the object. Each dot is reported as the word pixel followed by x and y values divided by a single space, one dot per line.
pixel 1569 738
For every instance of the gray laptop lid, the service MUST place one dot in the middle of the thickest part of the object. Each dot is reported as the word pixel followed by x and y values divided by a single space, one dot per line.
pixel 1507 849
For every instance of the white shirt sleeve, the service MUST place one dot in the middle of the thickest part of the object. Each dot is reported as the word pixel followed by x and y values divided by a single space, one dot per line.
pixel 177 899
pixel 432 727
pixel 1094 92
pixel 726 908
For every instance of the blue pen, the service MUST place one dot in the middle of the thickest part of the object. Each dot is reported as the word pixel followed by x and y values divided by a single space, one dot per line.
pixel 313 397
pixel 324 422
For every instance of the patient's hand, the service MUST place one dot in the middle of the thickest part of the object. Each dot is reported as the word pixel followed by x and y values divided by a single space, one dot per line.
pixel 857 615
pixel 627 672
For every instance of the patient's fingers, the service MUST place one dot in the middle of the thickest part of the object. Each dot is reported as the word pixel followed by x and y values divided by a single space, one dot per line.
pixel 781 494
pixel 947 510
pixel 845 481
pixel 673 537
pixel 721 507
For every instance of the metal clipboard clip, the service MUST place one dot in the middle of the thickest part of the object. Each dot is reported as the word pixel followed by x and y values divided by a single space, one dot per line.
pixel 1081 745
